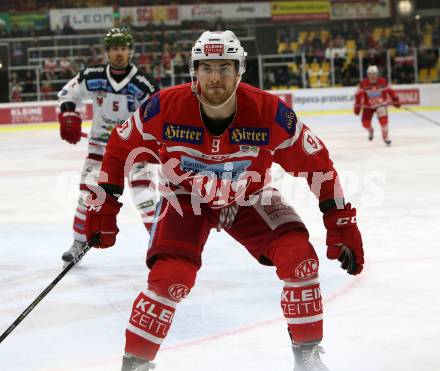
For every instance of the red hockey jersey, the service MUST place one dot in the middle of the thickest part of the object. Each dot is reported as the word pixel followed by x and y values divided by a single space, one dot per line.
pixel 223 168
pixel 372 96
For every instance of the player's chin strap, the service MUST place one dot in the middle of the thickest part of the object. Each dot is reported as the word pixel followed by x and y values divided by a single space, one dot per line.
pixel 196 90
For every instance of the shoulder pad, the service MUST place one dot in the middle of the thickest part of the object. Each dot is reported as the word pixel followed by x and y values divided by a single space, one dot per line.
pixel 150 108
pixel 92 72
pixel 286 118
pixel 382 81
pixel 145 82
pixel 364 83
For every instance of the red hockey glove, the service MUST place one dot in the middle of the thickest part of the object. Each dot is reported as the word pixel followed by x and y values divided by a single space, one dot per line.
pixel 70 126
pixel 357 109
pixel 101 219
pixel 344 241
pixel 396 102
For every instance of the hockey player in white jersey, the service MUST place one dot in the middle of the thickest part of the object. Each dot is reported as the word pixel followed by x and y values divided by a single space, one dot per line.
pixel 116 89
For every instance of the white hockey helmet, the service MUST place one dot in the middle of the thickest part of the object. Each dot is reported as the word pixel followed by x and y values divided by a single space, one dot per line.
pixel 372 70
pixel 218 45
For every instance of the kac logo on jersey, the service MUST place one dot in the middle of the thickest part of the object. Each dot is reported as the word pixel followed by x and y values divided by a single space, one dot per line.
pixel 286 118
pixel 250 136
pixel 306 269
pixel 178 291
pixel 183 133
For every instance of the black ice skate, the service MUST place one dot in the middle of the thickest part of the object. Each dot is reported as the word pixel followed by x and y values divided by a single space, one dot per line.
pixel 370 134
pixel 131 363
pixel 76 249
pixel 307 357
pixel 387 141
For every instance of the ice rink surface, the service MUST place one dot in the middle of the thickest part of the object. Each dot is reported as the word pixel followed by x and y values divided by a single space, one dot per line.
pixel 386 319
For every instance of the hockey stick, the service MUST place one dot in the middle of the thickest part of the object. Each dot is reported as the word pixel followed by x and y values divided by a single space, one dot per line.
pixel 421 116
pixel 40 297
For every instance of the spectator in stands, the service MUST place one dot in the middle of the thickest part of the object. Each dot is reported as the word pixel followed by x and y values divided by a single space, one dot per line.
pixel 398 30
pixel 356 31
pixel 16 91
pixel 427 59
pixel 29 86
pixel 403 73
pixel 15 31
pixel 95 56
pixel 166 58
pixel 336 50
pixel 402 47
pixel 49 69
pixel 318 48
pixel 371 42
pixel 293 33
pixel 3 30
pixel 179 63
pixel 374 57
pixel 345 31
pixel 80 64
pixel 283 36
pixel 47 91
pixel 269 79
pixel 436 34
pixel 35 38
pixel 350 74
pixel 219 24
pixel 282 76
pixel 67 27
pixel 144 61
pixel 18 56
pixel 67 71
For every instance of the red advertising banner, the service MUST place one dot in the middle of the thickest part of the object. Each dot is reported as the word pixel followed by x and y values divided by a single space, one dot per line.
pixel 36 113
pixel 408 96
pixel 141 16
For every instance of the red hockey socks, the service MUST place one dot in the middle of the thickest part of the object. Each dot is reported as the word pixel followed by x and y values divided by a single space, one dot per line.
pixel 302 306
pixel 150 320
pixel 169 281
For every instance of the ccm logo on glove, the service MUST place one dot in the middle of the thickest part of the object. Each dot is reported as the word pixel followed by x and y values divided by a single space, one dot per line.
pixel 101 214
pixel 344 241
pixel 348 220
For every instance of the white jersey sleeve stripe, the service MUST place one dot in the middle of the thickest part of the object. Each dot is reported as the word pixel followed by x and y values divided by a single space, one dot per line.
pixel 139 126
pixel 289 142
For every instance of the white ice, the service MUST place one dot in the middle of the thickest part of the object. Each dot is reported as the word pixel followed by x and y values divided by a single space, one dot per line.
pixel 386 319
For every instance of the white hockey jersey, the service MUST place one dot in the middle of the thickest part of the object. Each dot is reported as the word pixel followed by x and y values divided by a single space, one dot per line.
pixel 113 102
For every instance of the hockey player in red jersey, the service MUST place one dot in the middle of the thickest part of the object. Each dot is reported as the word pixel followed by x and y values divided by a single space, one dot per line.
pixel 116 90
pixel 218 138
pixel 374 95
